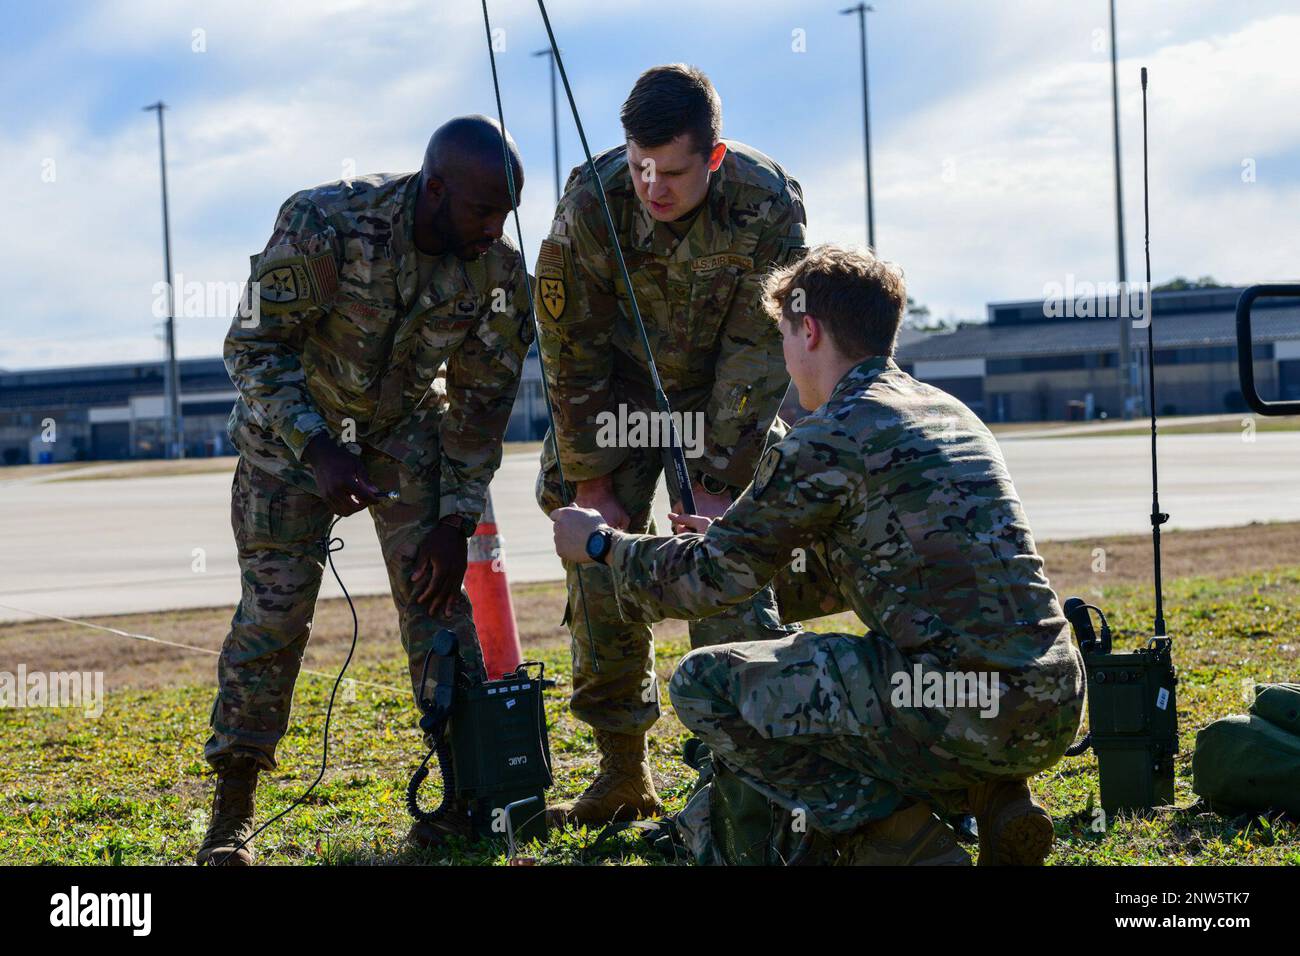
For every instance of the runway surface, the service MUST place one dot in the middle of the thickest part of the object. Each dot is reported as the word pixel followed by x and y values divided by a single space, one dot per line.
pixel 77 548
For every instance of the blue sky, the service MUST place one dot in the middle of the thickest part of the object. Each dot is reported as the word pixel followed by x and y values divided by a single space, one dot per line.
pixel 990 128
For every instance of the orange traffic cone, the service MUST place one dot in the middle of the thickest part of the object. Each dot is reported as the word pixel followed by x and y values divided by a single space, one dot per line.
pixel 489 593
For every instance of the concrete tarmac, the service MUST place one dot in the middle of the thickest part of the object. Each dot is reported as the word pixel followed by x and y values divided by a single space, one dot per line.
pixel 89 547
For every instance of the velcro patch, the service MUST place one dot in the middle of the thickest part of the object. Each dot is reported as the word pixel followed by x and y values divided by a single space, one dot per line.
pixel 766 469
pixel 551 258
pixel 297 279
pixel 792 250
pixel 708 263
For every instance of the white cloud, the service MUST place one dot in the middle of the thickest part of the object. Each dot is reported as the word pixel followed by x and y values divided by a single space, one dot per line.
pixel 1007 184
pixel 991 150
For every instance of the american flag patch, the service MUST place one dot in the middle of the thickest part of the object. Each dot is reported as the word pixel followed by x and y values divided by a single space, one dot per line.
pixel 324 273
pixel 551 258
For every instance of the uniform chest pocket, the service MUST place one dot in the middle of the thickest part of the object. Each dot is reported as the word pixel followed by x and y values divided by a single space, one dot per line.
pixel 440 336
pixel 650 283
pixel 713 289
pixel 357 328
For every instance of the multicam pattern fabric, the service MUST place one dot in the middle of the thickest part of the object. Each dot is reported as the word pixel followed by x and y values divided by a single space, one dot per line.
pixel 717 353
pixel 698 295
pixel 341 339
pixel 280 536
pixel 901 498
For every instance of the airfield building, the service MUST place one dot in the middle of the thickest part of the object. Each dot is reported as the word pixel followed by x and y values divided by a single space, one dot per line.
pixel 1036 360
pixel 1058 358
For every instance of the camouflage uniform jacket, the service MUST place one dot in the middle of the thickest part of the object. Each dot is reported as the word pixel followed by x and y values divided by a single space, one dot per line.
pixel 716 350
pixel 903 495
pixel 341 340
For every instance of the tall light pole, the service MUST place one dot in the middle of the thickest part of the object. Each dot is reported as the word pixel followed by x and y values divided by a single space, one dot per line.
pixel 174 446
pixel 1127 369
pixel 555 122
pixel 862 10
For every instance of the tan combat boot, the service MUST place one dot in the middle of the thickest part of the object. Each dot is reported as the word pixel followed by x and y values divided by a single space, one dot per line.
pixel 1013 829
pixel 913 836
pixel 232 814
pixel 623 790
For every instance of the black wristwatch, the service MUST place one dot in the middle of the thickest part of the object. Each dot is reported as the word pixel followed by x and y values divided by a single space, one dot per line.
pixel 599 543
pixel 460 523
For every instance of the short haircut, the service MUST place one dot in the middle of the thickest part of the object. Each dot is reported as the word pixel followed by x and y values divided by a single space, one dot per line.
pixel 858 298
pixel 668 101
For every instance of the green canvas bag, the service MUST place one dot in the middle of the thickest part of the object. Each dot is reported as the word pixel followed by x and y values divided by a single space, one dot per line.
pixel 1251 763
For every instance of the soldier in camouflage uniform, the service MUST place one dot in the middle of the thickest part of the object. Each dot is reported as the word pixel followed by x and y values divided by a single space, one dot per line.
pixel 700 223
pixel 899 492
pixel 366 288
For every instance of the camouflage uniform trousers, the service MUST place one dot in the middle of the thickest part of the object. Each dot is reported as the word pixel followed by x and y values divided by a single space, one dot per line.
pixel 280 534
pixel 622 696
pixel 808 721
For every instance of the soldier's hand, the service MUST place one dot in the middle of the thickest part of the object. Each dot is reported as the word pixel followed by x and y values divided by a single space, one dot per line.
pixel 598 493
pixel 341 476
pixel 440 562
pixel 573 526
pixel 706 505
pixel 685 524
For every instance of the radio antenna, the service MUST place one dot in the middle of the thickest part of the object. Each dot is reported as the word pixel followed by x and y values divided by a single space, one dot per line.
pixel 1158 517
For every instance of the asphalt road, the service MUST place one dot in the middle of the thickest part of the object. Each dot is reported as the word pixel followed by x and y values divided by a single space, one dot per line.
pixel 77 548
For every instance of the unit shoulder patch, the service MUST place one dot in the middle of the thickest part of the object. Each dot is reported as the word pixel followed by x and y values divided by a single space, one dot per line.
pixel 767 467
pixel 551 291
pixel 288 281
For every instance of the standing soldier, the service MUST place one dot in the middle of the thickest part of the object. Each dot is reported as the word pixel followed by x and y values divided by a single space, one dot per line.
pixel 967 681
pixel 366 288
pixel 700 222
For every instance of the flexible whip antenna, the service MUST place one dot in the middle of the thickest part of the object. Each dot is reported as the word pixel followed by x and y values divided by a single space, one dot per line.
pixel 1158 517
pixel 679 458
pixel 537 330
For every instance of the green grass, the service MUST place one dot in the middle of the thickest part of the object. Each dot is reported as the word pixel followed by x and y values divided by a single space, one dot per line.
pixel 132 788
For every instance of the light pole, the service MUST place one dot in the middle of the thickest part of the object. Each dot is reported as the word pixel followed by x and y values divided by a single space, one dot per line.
pixel 555 122
pixel 173 442
pixel 862 10
pixel 1127 369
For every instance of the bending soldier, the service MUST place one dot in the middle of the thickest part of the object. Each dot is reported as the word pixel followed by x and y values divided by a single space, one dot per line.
pixel 366 288
pixel 700 222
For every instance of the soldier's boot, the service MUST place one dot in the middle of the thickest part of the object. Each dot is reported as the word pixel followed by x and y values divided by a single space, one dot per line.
pixel 913 836
pixel 232 814
pixel 1013 829
pixel 623 790
pixel 452 822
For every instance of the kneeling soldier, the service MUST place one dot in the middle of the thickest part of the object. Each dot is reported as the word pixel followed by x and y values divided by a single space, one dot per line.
pixel 890 499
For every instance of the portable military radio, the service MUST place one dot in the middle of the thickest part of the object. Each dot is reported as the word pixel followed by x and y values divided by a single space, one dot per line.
pixel 1132 704
pixel 491 743
pixel 1132 714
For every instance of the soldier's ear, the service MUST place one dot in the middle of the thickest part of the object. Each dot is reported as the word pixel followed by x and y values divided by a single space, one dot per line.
pixel 435 190
pixel 812 330
pixel 716 157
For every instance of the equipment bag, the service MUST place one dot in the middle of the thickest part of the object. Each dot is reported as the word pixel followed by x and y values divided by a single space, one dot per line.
pixel 1251 763
pixel 726 822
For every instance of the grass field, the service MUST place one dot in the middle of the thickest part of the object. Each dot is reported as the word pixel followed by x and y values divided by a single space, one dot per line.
pixel 131 786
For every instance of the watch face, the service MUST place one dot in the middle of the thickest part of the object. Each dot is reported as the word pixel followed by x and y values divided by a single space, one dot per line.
pixel 596 545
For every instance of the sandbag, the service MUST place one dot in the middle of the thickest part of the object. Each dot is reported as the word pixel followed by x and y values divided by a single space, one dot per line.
pixel 1251 763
